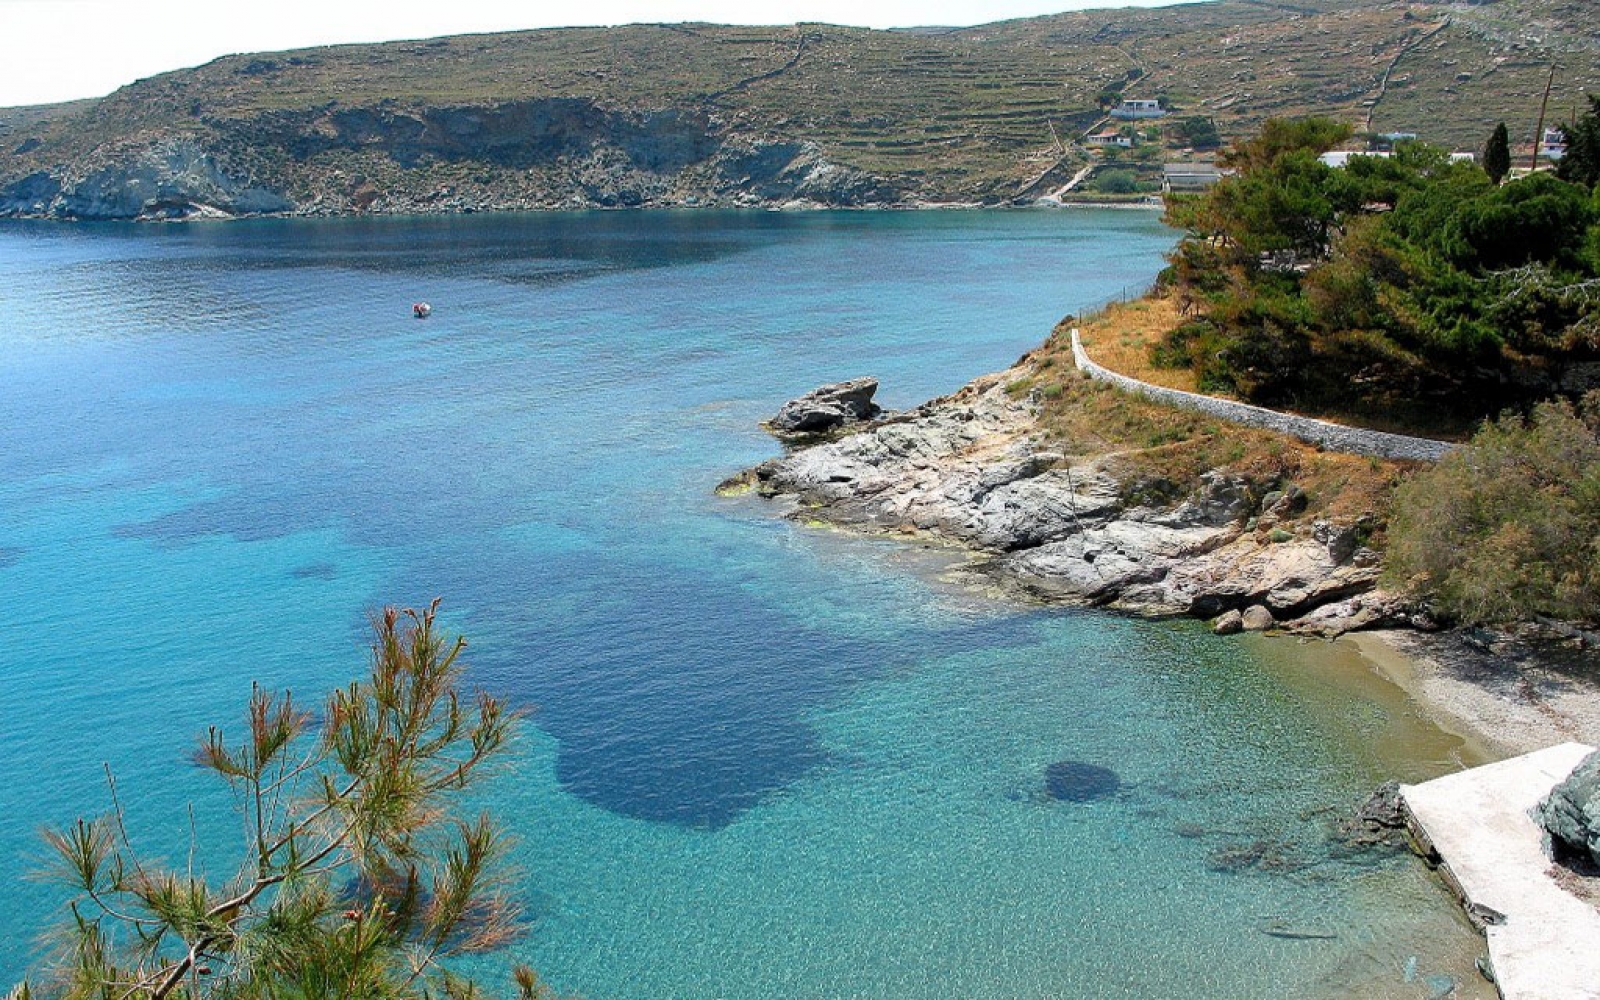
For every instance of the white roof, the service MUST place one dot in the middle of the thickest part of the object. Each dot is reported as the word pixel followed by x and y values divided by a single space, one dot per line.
pixel 1342 158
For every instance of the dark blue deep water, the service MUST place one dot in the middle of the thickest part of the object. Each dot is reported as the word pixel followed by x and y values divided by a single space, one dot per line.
pixel 763 760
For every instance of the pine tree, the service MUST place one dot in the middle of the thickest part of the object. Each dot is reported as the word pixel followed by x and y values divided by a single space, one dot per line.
pixel 361 875
pixel 1497 154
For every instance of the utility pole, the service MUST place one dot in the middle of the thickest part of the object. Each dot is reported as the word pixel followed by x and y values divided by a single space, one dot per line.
pixel 1538 132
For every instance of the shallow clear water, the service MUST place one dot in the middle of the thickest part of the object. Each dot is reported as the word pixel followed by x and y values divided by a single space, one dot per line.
pixel 765 760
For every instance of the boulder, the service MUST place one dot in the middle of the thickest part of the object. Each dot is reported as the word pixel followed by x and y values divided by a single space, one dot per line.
pixel 1373 609
pixel 1256 619
pixel 1384 808
pixel 1279 505
pixel 827 408
pixel 1229 623
pixel 1571 813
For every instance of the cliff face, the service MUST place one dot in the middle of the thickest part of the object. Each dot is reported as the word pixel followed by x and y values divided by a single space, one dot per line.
pixel 170 178
pixel 552 153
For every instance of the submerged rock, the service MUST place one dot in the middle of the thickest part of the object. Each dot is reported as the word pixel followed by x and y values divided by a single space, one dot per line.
pixel 827 408
pixel 1076 781
pixel 1292 932
pixel 1571 812
pixel 1268 855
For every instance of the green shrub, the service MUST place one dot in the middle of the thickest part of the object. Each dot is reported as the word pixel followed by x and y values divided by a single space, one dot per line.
pixel 1116 182
pixel 1201 133
pixel 1508 526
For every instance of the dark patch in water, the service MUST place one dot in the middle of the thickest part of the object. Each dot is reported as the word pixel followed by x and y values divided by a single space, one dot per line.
pixel 316 571
pixel 663 713
pixel 1075 781
pixel 240 516
pixel 10 557
pixel 1270 855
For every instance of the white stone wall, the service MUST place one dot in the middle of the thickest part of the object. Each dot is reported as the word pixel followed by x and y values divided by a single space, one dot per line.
pixel 1334 437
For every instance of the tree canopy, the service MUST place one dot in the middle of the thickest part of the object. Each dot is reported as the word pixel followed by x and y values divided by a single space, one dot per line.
pixel 1581 164
pixel 1409 286
pixel 1497 154
pixel 1200 132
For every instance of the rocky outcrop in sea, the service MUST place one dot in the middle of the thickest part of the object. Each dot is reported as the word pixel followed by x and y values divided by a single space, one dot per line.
pixel 826 409
pixel 977 469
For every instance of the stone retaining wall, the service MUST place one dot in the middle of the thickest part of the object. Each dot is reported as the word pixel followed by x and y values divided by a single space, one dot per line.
pixel 1334 437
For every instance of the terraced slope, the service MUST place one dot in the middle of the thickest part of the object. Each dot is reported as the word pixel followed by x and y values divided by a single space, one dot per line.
pixel 703 114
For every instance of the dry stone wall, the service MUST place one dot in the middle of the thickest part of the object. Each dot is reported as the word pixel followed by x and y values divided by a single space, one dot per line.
pixel 1334 437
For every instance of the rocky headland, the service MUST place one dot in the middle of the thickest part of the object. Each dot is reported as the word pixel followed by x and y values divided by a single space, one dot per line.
pixel 984 468
pixel 1068 489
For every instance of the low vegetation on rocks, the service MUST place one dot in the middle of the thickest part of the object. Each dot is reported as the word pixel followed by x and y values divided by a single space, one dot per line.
pixel 1508 528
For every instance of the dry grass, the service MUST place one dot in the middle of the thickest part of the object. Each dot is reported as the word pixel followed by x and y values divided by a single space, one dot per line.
pixel 1164 450
pixel 975 112
pixel 1121 337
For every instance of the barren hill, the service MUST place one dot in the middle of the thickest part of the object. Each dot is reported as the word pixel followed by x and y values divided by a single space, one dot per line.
pixel 698 114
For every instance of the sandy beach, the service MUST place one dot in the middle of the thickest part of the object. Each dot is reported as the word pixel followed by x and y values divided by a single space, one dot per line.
pixel 1502 699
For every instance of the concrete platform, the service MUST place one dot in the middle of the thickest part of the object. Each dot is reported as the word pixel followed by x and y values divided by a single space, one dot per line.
pixel 1548 946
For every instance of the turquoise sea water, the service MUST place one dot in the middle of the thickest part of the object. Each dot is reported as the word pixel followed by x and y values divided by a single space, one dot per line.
pixel 764 760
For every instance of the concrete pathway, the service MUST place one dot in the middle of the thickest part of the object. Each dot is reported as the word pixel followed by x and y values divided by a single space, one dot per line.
pixel 1548 947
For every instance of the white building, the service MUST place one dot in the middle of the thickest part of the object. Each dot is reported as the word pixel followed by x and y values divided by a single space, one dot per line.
pixel 1136 108
pixel 1341 158
pixel 1554 144
pixel 1110 137
pixel 1189 176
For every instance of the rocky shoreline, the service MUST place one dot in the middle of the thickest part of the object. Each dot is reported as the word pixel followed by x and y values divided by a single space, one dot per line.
pixel 192 177
pixel 977 469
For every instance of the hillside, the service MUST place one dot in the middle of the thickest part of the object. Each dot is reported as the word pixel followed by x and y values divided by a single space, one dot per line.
pixel 702 114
